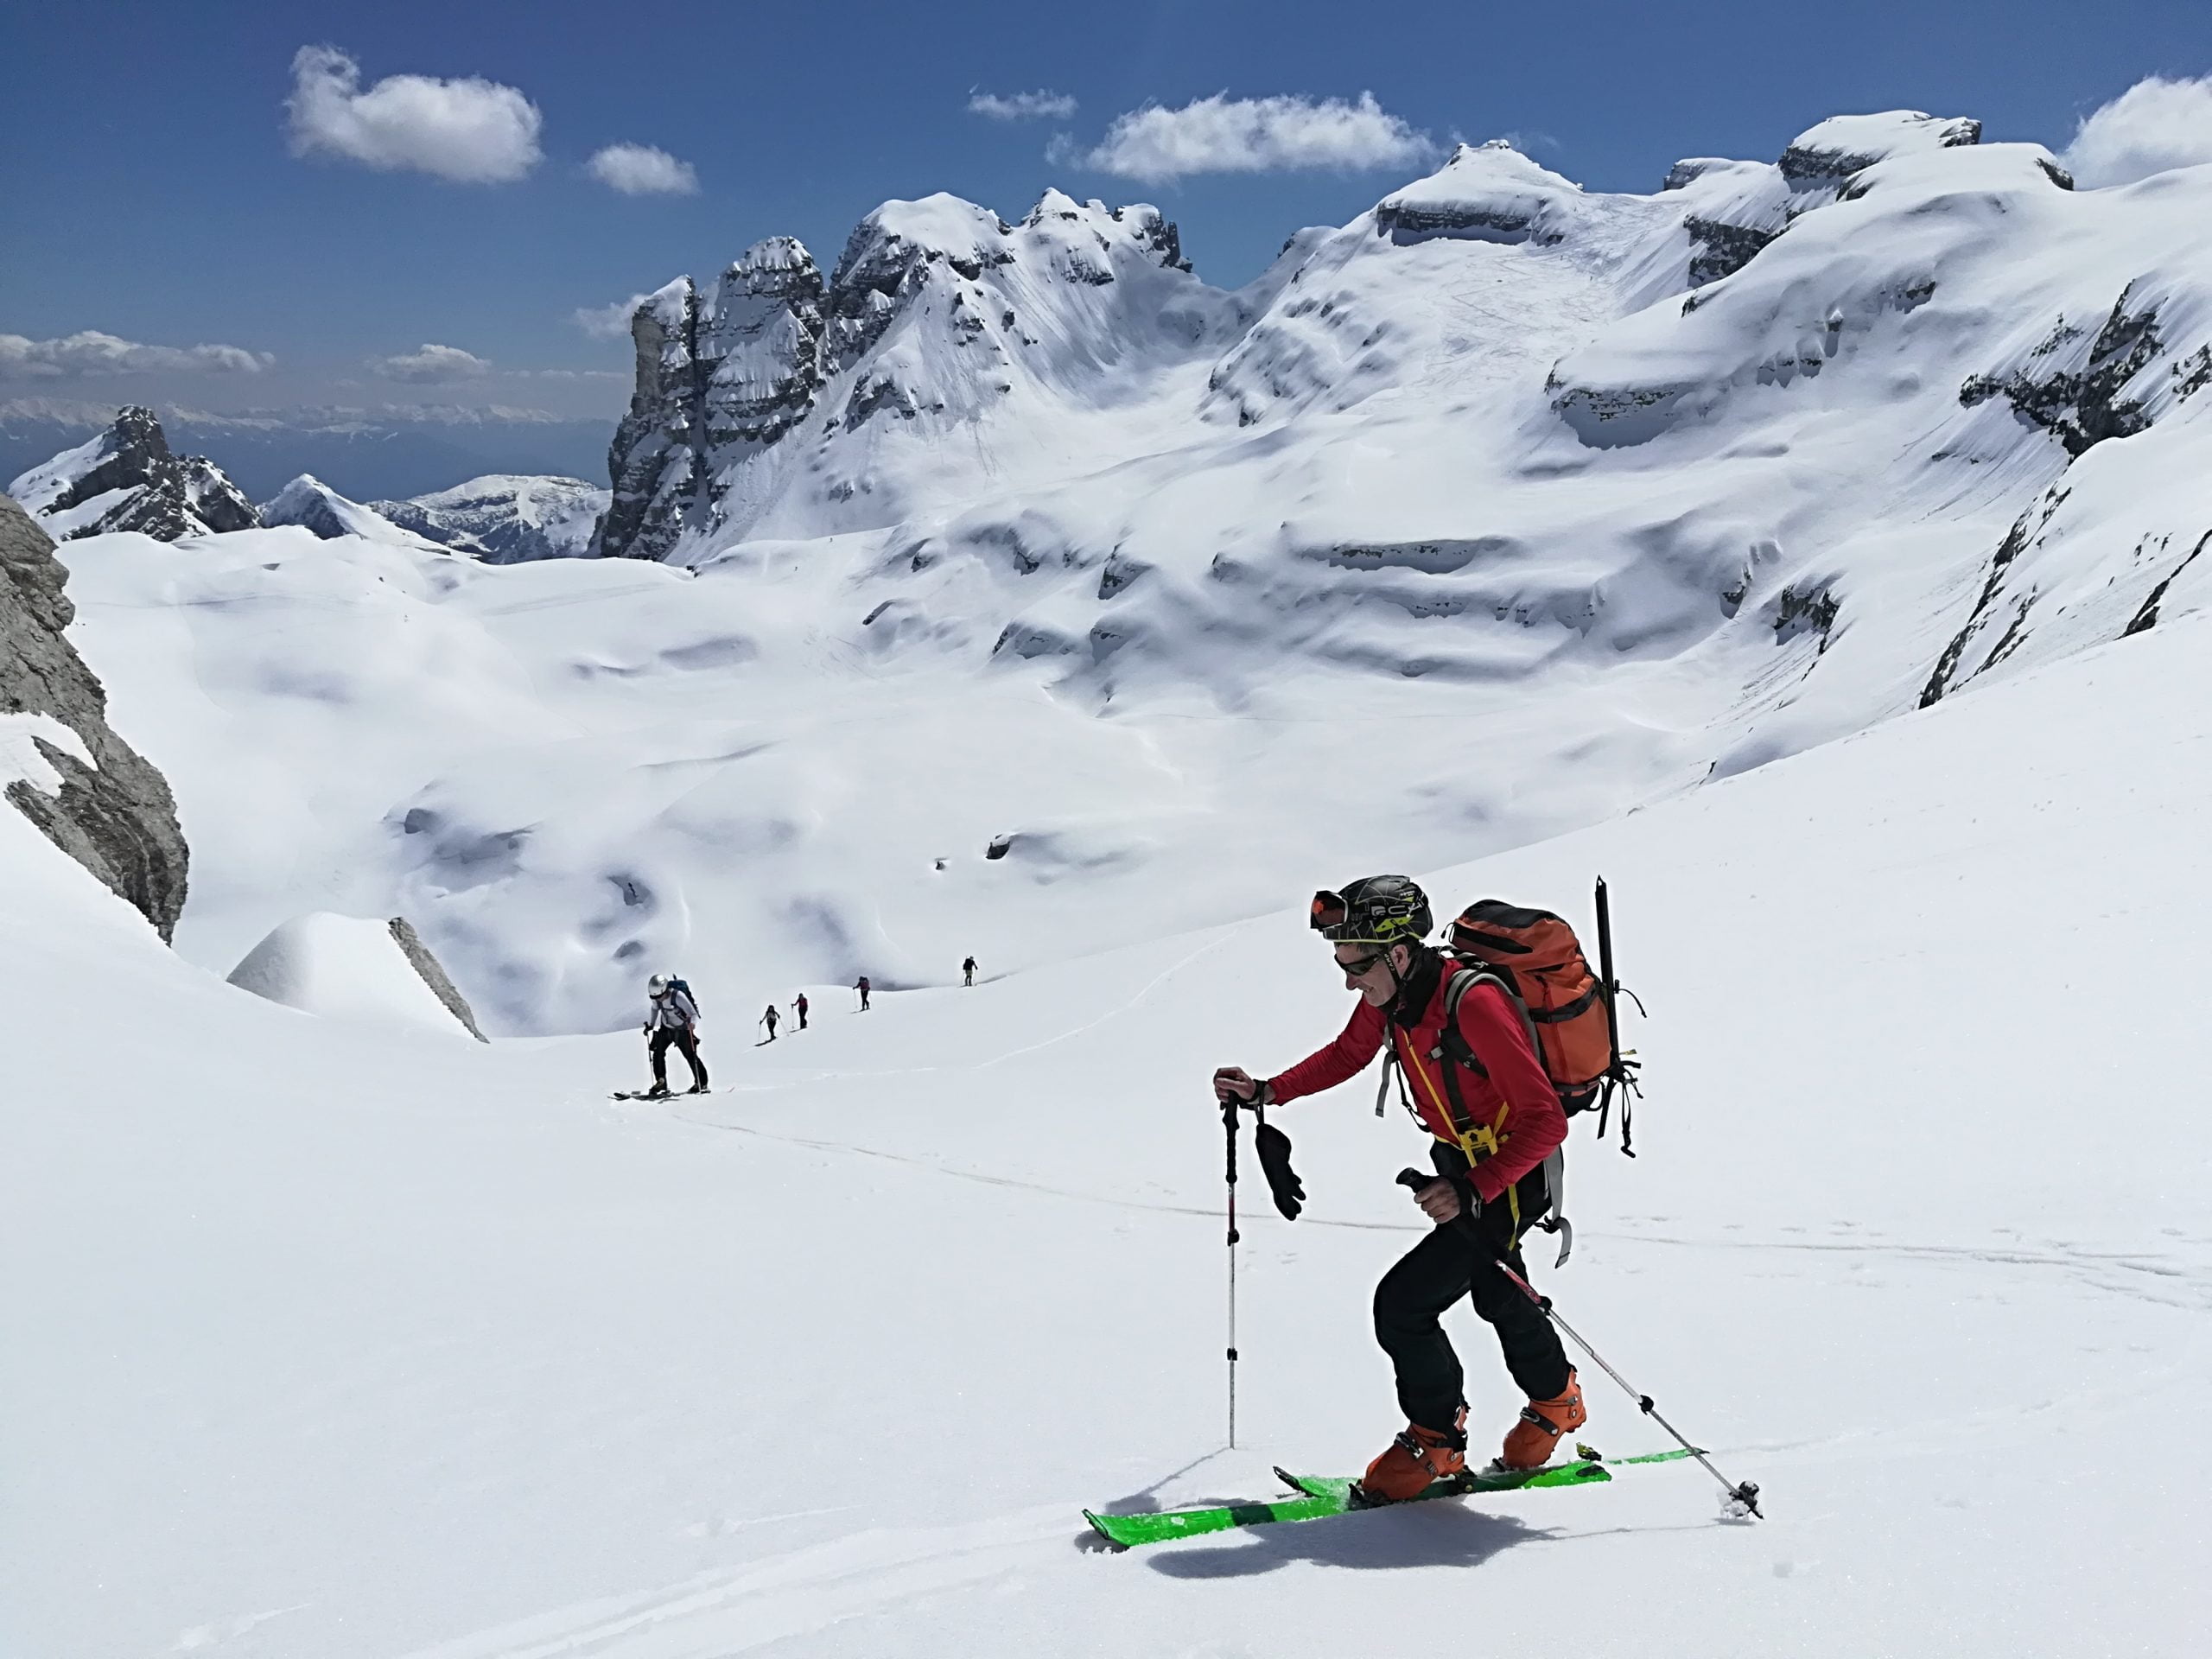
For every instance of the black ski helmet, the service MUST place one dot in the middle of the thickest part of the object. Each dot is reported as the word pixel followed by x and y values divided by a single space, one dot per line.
pixel 1373 910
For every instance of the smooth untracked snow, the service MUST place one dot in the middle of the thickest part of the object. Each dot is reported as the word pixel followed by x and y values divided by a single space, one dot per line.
pixel 359 1345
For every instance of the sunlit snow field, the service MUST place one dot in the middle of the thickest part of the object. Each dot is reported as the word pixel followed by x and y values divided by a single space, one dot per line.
pixel 343 1339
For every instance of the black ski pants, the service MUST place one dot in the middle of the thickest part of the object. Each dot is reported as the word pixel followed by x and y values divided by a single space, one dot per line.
pixel 685 1044
pixel 1432 1276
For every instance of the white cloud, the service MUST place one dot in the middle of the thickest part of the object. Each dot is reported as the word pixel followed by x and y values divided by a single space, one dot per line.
pixel 432 363
pixel 1253 135
pixel 642 170
pixel 473 131
pixel 2155 125
pixel 608 321
pixel 1022 106
pixel 93 352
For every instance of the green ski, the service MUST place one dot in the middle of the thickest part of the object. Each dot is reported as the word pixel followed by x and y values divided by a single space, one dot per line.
pixel 1326 1495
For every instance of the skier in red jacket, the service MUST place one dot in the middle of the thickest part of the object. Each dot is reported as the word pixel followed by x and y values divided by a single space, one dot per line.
pixel 1496 1125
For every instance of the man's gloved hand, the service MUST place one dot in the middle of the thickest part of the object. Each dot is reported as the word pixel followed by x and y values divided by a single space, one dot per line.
pixel 1273 1148
pixel 1235 1083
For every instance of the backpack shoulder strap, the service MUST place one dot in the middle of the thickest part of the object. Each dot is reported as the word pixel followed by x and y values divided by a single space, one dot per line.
pixel 1464 979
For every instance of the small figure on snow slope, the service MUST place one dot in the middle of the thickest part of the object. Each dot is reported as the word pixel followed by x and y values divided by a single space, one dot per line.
pixel 798 1007
pixel 967 972
pixel 863 987
pixel 1496 1123
pixel 672 1020
pixel 769 1020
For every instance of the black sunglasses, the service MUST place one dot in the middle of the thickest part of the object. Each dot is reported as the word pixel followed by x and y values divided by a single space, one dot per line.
pixel 1359 965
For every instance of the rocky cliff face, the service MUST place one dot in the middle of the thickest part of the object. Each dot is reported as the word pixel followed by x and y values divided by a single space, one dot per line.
pixel 88 791
pixel 126 478
pixel 937 312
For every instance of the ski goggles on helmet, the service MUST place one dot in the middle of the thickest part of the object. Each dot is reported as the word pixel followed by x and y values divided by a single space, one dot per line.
pixel 1386 910
pixel 1328 913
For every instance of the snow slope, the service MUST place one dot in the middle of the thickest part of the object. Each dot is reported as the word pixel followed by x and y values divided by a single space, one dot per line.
pixel 358 1344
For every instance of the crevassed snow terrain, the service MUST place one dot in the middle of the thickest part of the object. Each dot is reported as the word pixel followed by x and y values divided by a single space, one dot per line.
pixel 383 1344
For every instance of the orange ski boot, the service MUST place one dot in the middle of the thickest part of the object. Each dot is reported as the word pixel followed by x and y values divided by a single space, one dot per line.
pixel 1415 1461
pixel 1528 1443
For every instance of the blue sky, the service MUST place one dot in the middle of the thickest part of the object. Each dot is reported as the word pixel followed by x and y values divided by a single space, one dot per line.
pixel 158 197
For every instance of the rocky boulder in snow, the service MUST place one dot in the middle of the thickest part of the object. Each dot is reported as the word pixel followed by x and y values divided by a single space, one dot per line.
pixel 126 478
pixel 503 518
pixel 90 793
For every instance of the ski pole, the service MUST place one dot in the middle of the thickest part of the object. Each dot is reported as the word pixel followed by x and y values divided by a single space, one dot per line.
pixel 1744 1493
pixel 1228 1124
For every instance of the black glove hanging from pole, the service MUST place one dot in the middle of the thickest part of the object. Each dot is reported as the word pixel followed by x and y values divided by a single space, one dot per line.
pixel 1273 1148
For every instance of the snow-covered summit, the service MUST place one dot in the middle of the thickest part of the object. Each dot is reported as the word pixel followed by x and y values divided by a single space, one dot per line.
pixel 939 314
pixel 1843 145
pixel 311 504
pixel 126 478
pixel 1489 192
pixel 505 518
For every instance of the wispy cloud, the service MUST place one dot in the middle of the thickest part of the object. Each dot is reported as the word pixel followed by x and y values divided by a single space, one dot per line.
pixel 92 353
pixel 1253 134
pixel 643 171
pixel 473 131
pixel 1022 106
pixel 608 321
pixel 431 365
pixel 2155 125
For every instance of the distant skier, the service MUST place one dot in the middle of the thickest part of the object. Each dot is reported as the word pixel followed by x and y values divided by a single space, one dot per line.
pixel 769 1020
pixel 968 970
pixel 672 1020
pixel 1490 1154
pixel 861 986
pixel 798 1007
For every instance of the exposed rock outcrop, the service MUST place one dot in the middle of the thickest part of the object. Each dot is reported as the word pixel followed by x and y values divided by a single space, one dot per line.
pixel 433 975
pixel 104 805
pixel 126 478
pixel 2081 398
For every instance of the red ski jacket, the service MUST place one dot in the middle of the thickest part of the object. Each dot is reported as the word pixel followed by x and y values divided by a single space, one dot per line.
pixel 1516 1118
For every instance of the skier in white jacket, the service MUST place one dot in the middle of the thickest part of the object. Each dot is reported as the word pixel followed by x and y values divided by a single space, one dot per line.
pixel 672 1019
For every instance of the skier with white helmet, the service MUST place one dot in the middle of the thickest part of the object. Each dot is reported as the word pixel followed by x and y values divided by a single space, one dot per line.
pixel 672 1020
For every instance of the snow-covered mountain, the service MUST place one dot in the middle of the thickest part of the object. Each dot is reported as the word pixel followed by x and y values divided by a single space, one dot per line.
pixel 1476 519
pixel 311 504
pixel 505 519
pixel 125 479
pixel 773 404
pixel 1496 394
pixel 384 450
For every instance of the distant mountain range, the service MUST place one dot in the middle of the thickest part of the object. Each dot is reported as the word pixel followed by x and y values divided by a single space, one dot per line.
pixel 125 477
pixel 389 453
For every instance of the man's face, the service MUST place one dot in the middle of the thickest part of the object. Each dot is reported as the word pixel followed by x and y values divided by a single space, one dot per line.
pixel 1367 970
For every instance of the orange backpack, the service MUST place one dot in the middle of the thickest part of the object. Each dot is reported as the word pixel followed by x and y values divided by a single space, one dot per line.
pixel 1534 958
